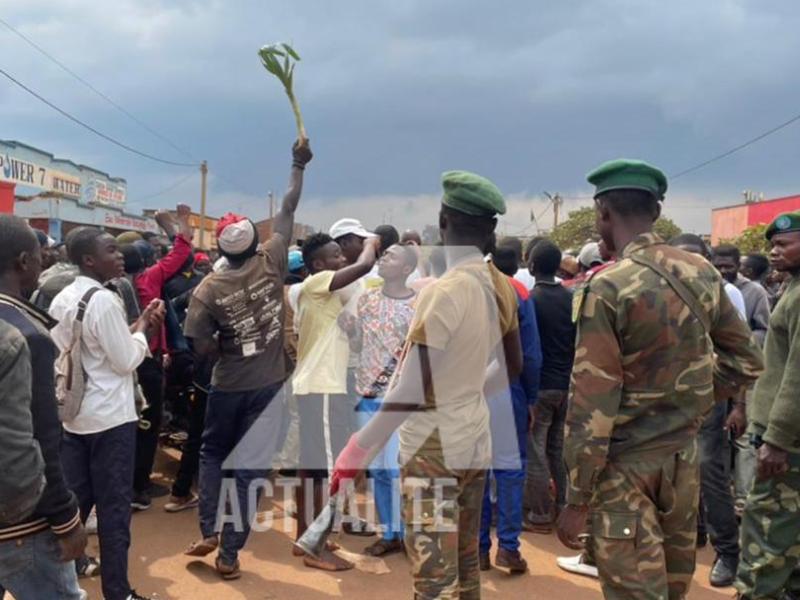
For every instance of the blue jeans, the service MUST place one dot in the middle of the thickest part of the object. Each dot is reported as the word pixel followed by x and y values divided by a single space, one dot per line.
pixel 31 569
pixel 509 425
pixel 510 487
pixel 98 468
pixel 239 439
pixel 385 472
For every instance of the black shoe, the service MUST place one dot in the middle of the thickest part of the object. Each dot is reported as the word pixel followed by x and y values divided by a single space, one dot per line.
pixel 141 501
pixel 484 562
pixel 87 566
pixel 702 540
pixel 723 574
pixel 134 596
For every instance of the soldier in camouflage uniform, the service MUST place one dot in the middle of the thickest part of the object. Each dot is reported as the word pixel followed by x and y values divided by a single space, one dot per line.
pixel 644 377
pixel 771 521
pixel 449 362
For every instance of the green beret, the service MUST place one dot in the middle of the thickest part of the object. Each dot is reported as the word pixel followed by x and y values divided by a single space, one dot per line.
pixel 472 194
pixel 626 174
pixel 783 224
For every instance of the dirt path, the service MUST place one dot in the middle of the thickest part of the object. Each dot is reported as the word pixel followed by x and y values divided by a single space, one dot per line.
pixel 158 566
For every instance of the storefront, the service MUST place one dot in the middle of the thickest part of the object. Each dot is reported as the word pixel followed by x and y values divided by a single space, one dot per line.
pixel 57 216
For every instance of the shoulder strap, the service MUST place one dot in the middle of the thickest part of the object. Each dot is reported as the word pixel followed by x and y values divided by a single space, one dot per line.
pixel 84 303
pixel 678 287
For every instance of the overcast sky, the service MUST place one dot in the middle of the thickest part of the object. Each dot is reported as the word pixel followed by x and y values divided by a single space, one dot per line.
pixel 532 94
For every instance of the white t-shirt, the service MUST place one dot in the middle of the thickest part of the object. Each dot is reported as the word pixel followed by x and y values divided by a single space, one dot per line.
pixel 110 354
pixel 525 278
pixel 736 298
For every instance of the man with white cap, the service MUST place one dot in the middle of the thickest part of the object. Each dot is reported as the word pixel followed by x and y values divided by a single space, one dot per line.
pixel 238 314
pixel 350 235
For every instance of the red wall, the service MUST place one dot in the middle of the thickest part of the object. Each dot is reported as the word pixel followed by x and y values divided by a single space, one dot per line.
pixel 7 197
pixel 765 212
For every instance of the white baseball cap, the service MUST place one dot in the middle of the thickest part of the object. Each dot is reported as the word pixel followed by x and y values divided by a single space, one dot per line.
pixel 344 227
pixel 590 254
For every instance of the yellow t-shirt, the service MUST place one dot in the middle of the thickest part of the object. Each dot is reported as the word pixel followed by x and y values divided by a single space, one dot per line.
pixel 465 314
pixel 322 347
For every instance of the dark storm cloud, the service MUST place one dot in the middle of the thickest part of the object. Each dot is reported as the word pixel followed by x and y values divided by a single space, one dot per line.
pixel 532 94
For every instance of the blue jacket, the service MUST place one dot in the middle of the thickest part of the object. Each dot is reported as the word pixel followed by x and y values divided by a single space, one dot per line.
pixel 525 389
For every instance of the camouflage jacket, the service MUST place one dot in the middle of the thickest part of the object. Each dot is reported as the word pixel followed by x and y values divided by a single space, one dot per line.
pixel 645 370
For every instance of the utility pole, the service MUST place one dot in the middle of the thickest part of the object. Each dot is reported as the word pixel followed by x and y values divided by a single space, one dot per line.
pixel 271 212
pixel 557 202
pixel 203 178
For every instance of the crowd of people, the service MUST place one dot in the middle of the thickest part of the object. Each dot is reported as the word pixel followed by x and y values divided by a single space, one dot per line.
pixel 636 395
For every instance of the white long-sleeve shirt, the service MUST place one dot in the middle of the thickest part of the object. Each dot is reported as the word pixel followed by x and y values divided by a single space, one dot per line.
pixel 110 354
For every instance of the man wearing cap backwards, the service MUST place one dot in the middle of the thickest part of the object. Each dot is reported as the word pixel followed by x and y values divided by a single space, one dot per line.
pixel 644 377
pixel 238 314
pixel 463 345
pixel 771 520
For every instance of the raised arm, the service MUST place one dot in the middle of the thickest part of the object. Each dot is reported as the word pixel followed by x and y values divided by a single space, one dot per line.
pixel 284 220
pixel 344 277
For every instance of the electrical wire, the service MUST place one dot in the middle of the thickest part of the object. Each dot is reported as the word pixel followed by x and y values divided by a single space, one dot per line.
pixel 120 108
pixel 169 188
pixel 735 149
pixel 92 129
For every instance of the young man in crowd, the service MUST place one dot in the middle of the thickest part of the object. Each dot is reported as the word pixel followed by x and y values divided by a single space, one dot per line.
pixel 694 244
pixel 350 234
pixel 511 412
pixel 771 524
pixel 632 421
pixel 149 285
pixel 755 267
pixel 99 445
pixel 377 332
pixel 727 260
pixel 238 314
pixel 553 304
pixel 463 346
pixel 320 379
pixel 53 531
pixel 717 508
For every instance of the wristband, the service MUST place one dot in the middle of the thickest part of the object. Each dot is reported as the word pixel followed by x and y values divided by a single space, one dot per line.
pixel 299 165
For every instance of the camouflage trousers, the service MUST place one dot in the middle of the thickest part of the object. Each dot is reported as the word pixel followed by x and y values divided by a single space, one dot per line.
pixel 442 512
pixel 644 526
pixel 770 536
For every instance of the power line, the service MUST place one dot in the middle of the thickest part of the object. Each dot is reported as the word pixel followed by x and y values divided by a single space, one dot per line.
pixel 92 129
pixel 95 90
pixel 736 148
pixel 169 188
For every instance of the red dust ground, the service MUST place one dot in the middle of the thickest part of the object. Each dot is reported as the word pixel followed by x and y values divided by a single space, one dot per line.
pixel 269 572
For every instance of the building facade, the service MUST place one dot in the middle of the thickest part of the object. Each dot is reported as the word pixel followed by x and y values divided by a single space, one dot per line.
pixel 730 221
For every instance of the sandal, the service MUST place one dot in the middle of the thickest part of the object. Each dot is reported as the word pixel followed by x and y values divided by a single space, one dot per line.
pixel 328 562
pixel 227 572
pixel 329 546
pixel 203 547
pixel 384 547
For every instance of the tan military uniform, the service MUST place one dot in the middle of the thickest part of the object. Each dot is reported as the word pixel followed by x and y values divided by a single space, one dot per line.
pixel 445 448
pixel 644 377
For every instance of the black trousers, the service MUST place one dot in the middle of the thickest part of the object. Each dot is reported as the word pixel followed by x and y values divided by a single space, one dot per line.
pixel 718 513
pixel 151 378
pixel 98 468
pixel 190 457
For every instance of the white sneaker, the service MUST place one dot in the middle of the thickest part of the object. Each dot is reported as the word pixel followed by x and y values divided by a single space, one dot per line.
pixel 91 523
pixel 577 565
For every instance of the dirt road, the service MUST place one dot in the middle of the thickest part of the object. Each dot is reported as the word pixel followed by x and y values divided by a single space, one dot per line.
pixel 158 566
